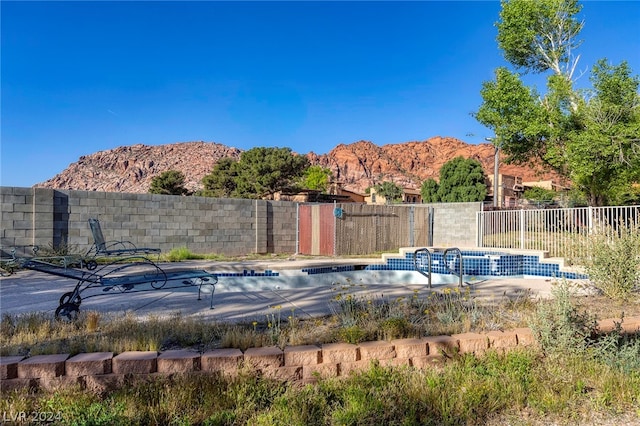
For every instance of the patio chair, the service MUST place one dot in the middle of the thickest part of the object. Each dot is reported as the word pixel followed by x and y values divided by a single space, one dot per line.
pixel 126 274
pixel 101 247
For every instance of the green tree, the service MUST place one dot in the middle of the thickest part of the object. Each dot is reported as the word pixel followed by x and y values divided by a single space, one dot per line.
pixel 317 178
pixel 462 180
pixel 539 194
pixel 221 182
pixel 258 173
pixel 429 191
pixel 628 196
pixel 264 171
pixel 603 148
pixel 516 117
pixel 170 182
pixel 574 132
pixel 389 190
pixel 540 35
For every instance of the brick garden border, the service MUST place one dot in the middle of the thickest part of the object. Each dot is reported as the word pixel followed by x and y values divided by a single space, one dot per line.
pixel 101 372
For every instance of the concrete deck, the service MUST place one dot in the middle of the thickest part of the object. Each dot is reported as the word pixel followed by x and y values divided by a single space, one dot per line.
pixel 30 291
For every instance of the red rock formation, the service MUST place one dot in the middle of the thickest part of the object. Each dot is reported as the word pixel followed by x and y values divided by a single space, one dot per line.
pixel 131 168
pixel 362 164
pixel 357 165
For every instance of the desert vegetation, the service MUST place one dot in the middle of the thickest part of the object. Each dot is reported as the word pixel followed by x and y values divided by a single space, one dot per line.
pixel 574 375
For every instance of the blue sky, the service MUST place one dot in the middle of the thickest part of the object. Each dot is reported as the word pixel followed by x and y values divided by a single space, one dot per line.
pixel 81 77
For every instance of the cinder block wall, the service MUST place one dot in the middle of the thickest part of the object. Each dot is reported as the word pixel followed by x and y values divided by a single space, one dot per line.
pixel 455 224
pixel 45 217
pixel 282 228
pixel 23 212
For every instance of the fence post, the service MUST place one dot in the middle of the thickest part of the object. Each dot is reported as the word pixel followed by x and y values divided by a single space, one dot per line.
pixel 479 228
pixel 42 225
pixel 522 218
pixel 297 228
pixel 412 220
pixel 430 215
pixel 262 224
pixel 335 228
pixel 590 219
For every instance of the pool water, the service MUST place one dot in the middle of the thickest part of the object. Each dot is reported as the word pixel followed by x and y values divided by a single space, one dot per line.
pixel 477 266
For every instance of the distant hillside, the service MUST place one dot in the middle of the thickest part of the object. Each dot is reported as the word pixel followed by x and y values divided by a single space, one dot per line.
pixel 357 165
pixel 131 168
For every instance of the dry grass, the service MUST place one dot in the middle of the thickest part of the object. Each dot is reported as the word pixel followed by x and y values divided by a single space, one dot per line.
pixel 603 307
pixel 355 318
pixel 595 385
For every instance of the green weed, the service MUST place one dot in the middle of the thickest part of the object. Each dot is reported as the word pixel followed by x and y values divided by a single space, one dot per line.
pixel 180 254
pixel 560 328
pixel 468 390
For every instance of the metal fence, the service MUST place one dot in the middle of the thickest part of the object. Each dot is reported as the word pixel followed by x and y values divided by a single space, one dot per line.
pixel 558 231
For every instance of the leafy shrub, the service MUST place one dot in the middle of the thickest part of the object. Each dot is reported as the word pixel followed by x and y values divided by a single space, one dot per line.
pixel 395 328
pixel 170 182
pixel 352 334
pixel 612 260
pixel 62 249
pixel 539 194
pixel 559 327
pixel 619 350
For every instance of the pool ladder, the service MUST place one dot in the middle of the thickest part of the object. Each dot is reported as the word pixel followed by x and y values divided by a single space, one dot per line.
pixel 457 253
pixel 419 268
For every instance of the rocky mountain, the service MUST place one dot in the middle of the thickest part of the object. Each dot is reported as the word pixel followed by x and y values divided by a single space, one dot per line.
pixel 357 165
pixel 131 168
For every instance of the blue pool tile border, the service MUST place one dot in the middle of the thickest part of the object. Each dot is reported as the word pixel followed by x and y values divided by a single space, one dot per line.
pixel 476 263
pixel 481 263
pixel 248 273
pixel 329 269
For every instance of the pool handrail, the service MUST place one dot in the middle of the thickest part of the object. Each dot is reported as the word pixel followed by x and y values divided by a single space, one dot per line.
pixel 457 253
pixel 415 263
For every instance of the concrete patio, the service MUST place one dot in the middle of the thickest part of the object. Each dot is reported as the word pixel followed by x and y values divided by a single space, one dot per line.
pixel 31 291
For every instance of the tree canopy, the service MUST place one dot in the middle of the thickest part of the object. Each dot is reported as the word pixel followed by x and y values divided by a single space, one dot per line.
pixel 540 35
pixel 170 182
pixel 316 178
pixel 259 173
pixel 389 190
pixel 539 194
pixel 588 136
pixel 221 182
pixel 462 180
pixel 603 148
pixel 429 191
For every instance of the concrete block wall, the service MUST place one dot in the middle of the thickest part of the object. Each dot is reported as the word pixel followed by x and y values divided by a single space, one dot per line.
pixel 17 218
pixel 455 224
pixel 282 231
pixel 201 224
pixel 102 371
pixel 46 217
pixel 280 235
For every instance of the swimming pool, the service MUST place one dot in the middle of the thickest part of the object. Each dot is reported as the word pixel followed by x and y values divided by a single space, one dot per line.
pixel 478 265
pixel 485 263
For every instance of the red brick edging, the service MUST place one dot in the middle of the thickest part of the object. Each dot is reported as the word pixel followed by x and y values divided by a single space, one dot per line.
pixel 102 371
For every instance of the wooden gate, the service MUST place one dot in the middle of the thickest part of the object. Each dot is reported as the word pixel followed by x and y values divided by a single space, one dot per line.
pixel 316 229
